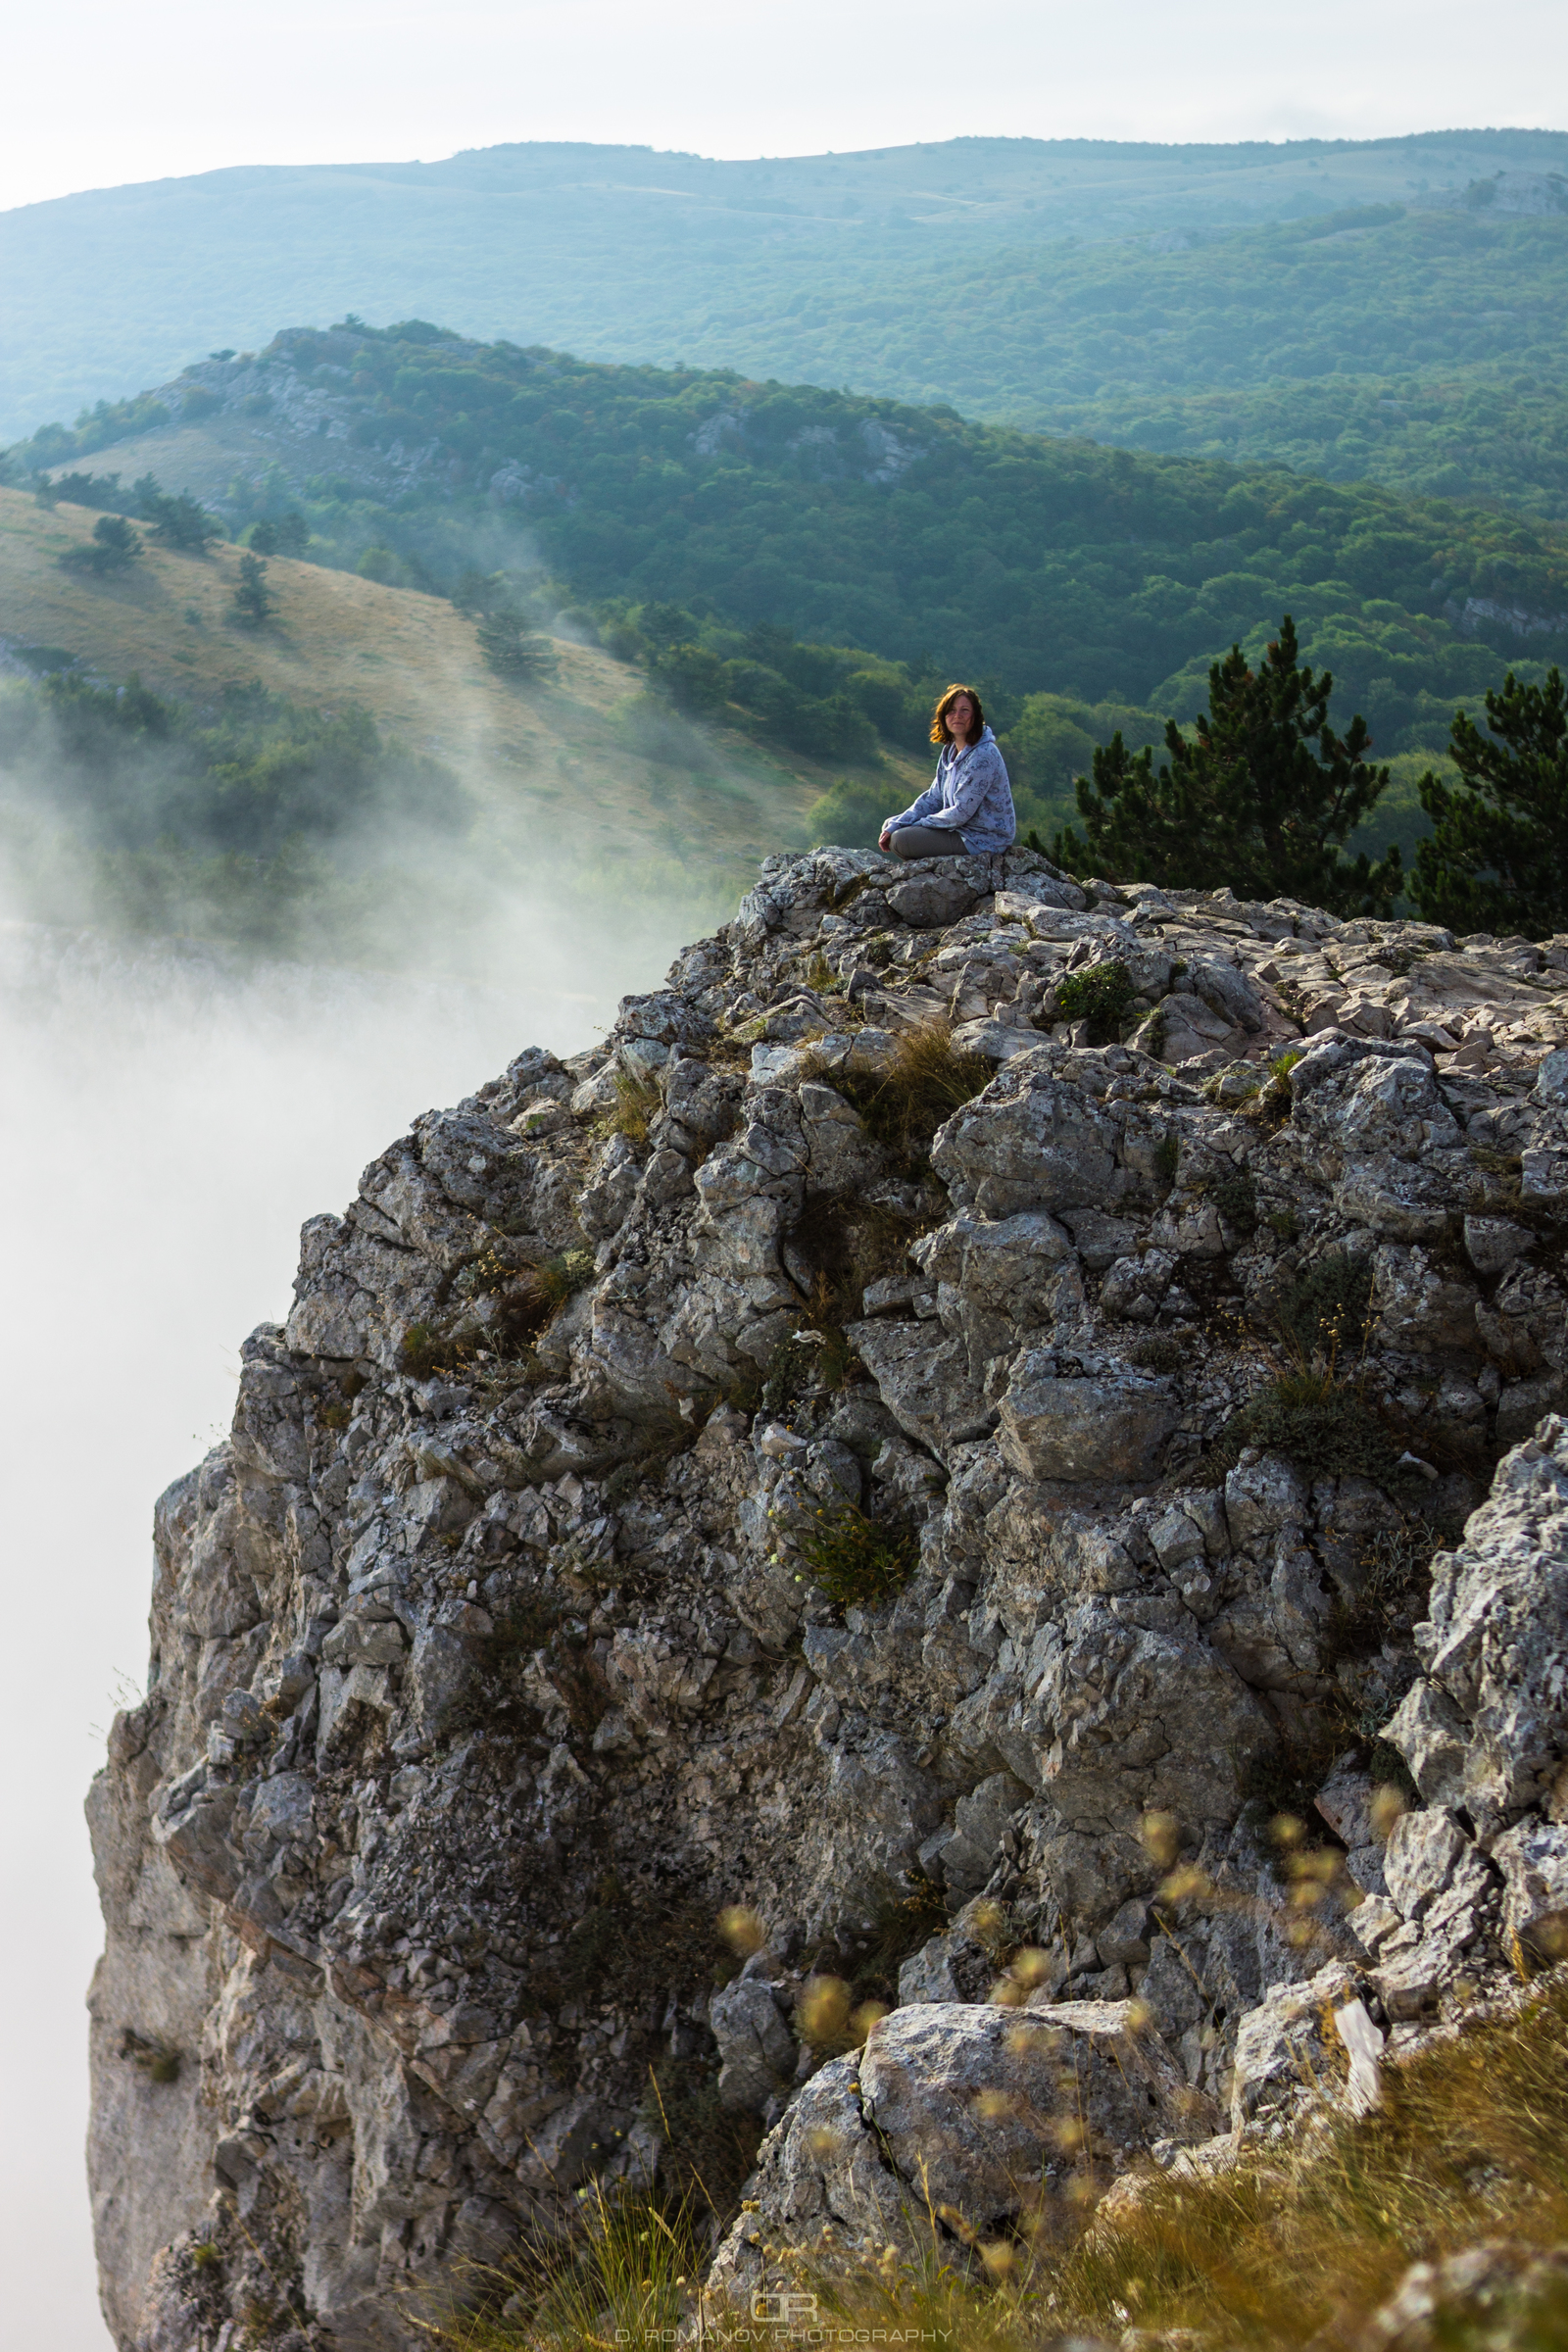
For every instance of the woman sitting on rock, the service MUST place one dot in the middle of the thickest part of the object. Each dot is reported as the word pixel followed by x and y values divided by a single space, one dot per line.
pixel 967 807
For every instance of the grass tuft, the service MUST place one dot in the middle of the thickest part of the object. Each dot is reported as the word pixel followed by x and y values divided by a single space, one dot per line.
pixel 154 2059
pixel 624 2279
pixel 927 1079
pixel 854 1560
pixel 1326 1426
pixel 638 1103
pixel 1329 1306
pixel 1271 1104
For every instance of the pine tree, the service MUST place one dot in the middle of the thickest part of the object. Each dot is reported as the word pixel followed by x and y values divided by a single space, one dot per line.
pixel 1261 799
pixel 1497 857
pixel 512 649
pixel 113 547
pixel 253 600
pixel 177 521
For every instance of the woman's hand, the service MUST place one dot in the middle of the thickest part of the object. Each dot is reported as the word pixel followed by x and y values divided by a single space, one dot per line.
pixel 884 839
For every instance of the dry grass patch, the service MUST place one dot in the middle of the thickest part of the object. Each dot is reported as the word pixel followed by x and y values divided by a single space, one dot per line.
pixel 638 1103
pixel 1294 2248
pixel 1471 2142
pixel 927 1079
pixel 623 2280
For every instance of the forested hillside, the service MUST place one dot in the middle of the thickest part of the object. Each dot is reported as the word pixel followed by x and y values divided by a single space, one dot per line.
pixel 347 775
pixel 1423 349
pixel 1037 564
pixel 821 267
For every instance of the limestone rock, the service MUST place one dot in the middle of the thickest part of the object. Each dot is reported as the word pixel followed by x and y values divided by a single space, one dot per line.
pixel 1533 1857
pixel 955 2114
pixel 1109 1428
pixel 1498 2297
pixel 1493 1711
pixel 582 1567
pixel 1287 2052
pixel 756 2048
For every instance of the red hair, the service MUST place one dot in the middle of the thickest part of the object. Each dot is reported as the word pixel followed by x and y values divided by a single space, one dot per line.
pixel 939 716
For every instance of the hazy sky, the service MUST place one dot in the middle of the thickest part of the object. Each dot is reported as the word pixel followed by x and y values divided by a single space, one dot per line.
pixel 172 86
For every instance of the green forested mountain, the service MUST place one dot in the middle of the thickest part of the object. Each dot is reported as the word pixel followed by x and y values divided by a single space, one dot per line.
pixel 706 520
pixel 835 269
pixel 1423 349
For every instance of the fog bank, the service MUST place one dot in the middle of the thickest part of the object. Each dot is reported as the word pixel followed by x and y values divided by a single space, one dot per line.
pixel 171 1116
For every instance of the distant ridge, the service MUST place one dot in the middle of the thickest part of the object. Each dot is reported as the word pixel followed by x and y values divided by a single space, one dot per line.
pixel 570 244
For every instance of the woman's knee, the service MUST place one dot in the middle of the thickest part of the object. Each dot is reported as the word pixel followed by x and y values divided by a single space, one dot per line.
pixel 926 841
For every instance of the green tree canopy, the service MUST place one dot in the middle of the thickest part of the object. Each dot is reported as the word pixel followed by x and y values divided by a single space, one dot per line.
pixel 286 535
pixel 177 521
pixel 113 547
pixel 253 600
pixel 512 649
pixel 1497 859
pixel 1261 798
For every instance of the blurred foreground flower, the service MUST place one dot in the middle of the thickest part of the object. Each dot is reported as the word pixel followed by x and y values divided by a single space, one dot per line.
pixel 1162 1836
pixel 742 1928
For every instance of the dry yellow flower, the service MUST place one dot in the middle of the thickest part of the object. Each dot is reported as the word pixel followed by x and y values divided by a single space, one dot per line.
pixel 1186 1883
pixel 1161 1836
pixel 742 1928
pixel 988 1924
pixel 1386 1806
pixel 1030 1965
pixel 823 2009
pixel 862 2020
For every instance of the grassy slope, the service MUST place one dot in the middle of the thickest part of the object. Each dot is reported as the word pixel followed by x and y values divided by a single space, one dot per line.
pixel 579 759
pixel 1072 569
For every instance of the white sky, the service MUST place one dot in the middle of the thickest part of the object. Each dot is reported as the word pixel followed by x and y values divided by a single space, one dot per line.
pixel 103 93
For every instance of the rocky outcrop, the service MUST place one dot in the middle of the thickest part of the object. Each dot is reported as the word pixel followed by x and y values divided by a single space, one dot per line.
pixel 962 1522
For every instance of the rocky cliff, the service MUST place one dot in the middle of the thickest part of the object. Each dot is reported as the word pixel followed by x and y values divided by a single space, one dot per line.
pixel 959 1445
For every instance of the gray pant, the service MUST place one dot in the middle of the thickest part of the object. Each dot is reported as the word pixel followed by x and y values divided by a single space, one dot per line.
pixel 928 841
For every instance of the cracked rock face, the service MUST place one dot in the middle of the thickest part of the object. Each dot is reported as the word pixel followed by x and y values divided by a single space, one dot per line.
pixel 965 2113
pixel 498 1650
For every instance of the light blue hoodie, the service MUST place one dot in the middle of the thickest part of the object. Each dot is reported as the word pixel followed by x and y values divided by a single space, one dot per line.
pixel 968 794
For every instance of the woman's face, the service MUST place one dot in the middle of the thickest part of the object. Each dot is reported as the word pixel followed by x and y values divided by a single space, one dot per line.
pixel 961 719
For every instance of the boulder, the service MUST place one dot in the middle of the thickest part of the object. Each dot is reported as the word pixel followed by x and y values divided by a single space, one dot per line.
pixel 755 2047
pixel 1110 1427
pixel 973 2103
pixel 966 1855
pixel 1533 1857
pixel 933 896
pixel 1288 2054
pixel 954 2115
pixel 1030 1140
